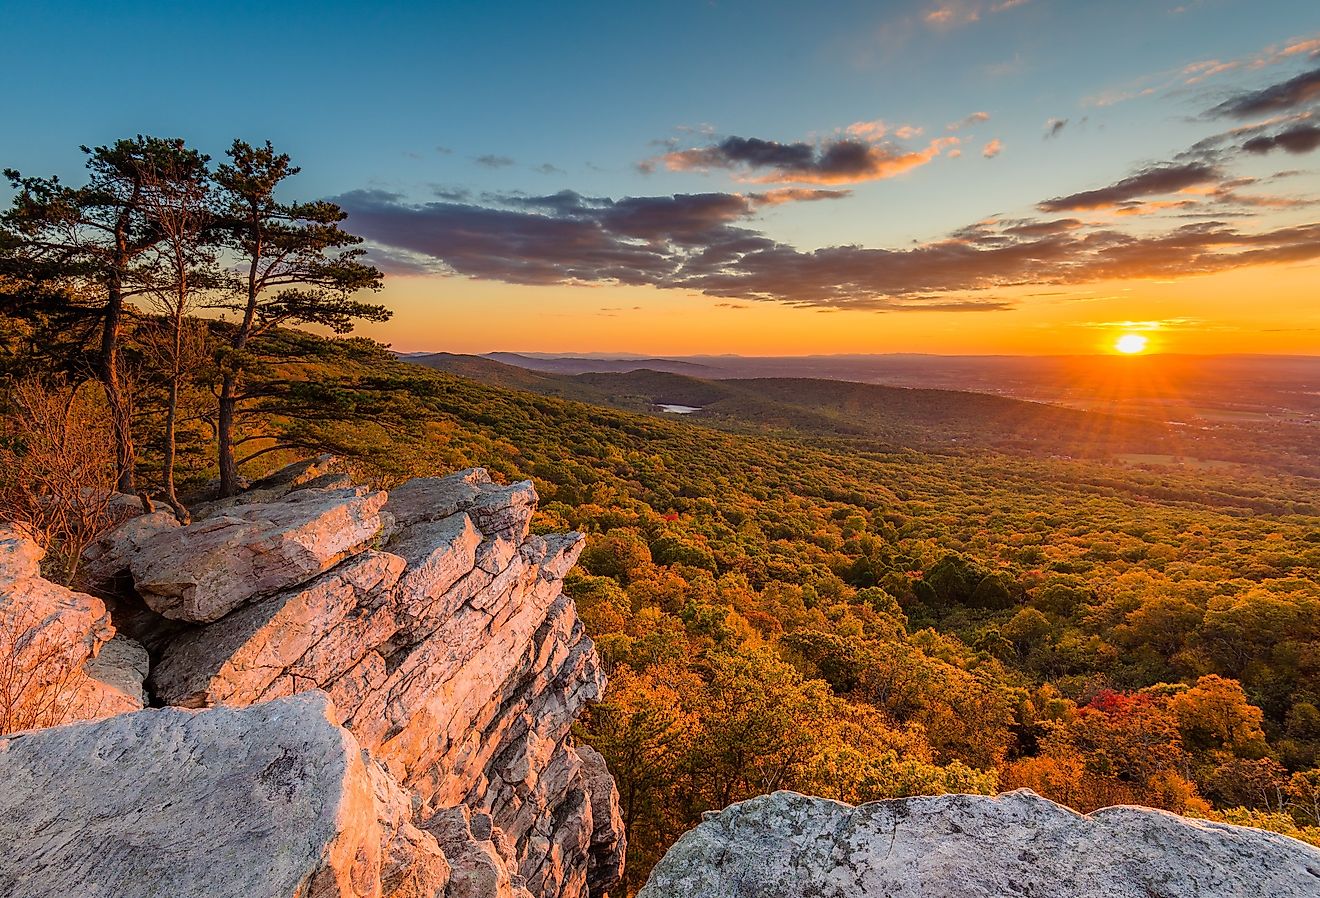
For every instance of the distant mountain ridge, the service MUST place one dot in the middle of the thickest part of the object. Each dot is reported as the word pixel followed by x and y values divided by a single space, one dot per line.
pixel 583 365
pixel 887 417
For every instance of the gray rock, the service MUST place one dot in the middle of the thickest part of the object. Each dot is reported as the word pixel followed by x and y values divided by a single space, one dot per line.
pixel 48 637
pixel 274 800
pixel 110 554
pixel 609 846
pixel 120 668
pixel 205 570
pixel 452 655
pixel 787 845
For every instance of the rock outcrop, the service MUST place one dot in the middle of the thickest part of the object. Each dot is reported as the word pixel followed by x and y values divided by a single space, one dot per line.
pixel 433 621
pixel 50 639
pixel 787 845
pixel 275 799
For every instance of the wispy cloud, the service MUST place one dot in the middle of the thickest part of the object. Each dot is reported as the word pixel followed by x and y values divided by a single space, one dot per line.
pixel 1296 48
pixel 1204 70
pixel 993 148
pixel 490 160
pixel 953 13
pixel 968 121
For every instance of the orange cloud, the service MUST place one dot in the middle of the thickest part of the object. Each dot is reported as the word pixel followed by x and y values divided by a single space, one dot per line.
pixel 781 195
pixel 952 13
pixel 846 160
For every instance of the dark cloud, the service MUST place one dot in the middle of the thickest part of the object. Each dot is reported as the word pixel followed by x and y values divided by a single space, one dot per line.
pixel 844 160
pixel 700 242
pixel 546 168
pixel 1281 97
pixel 1296 139
pixel 490 160
pixel 1054 127
pixel 452 194
pixel 781 195
pixel 1153 181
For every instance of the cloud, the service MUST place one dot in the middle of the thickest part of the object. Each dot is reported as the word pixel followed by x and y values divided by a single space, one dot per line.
pixel 1152 181
pixel 1054 127
pixel 1281 97
pixel 702 243
pixel 1206 69
pixel 546 168
pixel 1296 139
pixel 993 148
pixel 490 160
pixel 1274 54
pixel 452 194
pixel 781 195
pixel 953 13
pixel 873 131
pixel 861 155
pixel 975 118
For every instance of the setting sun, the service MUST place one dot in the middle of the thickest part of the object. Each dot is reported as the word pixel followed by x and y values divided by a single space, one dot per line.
pixel 1130 344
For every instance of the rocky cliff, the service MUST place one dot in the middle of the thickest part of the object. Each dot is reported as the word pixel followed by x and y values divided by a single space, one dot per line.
pixel 787 845
pixel 437 758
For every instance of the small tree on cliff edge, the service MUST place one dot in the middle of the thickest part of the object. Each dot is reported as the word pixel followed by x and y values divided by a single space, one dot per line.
pixel 296 266
pixel 90 239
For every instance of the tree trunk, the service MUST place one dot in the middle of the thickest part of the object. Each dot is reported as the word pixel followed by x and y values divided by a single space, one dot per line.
pixel 121 416
pixel 229 380
pixel 172 415
pixel 225 433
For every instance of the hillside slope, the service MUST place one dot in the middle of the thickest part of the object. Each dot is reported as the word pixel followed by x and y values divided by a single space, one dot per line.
pixel 892 417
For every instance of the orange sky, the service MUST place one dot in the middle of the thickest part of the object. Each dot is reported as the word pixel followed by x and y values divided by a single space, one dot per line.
pixel 1266 309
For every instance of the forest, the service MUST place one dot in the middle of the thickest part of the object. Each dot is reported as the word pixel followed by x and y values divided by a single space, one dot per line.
pixel 777 607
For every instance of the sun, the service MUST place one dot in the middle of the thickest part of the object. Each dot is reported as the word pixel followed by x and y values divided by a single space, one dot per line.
pixel 1130 344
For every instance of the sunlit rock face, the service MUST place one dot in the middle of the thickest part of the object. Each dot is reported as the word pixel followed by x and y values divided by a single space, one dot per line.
pixel 787 845
pixel 435 623
pixel 273 800
pixel 60 656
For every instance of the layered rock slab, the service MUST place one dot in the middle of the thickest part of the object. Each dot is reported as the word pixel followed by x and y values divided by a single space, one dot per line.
pixel 273 800
pixel 787 845
pixel 205 570
pixel 443 638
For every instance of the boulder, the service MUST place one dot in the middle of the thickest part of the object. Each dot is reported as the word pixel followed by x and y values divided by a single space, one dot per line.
pixel 109 555
pixel 50 637
pixel 201 572
pixel 118 672
pixel 787 845
pixel 274 800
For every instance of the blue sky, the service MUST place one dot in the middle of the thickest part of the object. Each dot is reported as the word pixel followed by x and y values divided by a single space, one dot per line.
pixel 475 100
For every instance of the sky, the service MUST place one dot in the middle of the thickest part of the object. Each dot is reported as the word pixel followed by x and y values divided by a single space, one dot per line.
pixel 761 178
